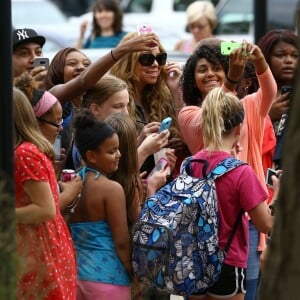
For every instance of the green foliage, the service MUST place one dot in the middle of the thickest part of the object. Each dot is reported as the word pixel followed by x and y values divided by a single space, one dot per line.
pixel 7 240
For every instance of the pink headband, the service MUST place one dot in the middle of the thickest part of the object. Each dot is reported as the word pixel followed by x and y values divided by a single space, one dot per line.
pixel 44 104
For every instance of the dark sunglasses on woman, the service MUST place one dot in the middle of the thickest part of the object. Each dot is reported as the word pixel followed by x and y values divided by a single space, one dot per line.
pixel 147 59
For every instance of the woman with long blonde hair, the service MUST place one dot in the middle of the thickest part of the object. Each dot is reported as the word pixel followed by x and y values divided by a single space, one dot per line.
pixel 154 92
pixel 47 261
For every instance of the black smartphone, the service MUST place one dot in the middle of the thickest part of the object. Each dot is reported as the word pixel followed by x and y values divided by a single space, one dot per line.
pixel 270 173
pixel 286 89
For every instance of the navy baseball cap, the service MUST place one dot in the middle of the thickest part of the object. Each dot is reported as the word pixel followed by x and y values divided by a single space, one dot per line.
pixel 26 35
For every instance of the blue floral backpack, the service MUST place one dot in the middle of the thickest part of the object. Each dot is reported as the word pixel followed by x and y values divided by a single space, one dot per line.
pixel 175 240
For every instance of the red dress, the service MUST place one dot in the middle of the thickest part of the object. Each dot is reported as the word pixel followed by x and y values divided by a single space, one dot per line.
pixel 45 251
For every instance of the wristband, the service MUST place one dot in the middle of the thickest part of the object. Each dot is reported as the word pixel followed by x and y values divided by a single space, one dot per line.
pixel 231 80
pixel 112 55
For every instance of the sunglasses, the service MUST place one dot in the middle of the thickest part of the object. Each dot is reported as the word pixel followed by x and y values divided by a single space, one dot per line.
pixel 147 59
pixel 57 125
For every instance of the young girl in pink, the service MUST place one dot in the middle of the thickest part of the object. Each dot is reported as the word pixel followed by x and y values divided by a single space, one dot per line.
pixel 239 189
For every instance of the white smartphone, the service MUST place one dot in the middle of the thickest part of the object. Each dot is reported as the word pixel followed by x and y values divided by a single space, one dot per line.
pixel 161 165
pixel 57 147
pixel 144 28
pixel 41 62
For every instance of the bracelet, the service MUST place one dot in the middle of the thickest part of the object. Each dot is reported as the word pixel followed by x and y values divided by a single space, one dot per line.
pixel 231 80
pixel 112 56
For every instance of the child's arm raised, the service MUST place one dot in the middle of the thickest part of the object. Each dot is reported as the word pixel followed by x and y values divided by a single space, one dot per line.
pixel 115 206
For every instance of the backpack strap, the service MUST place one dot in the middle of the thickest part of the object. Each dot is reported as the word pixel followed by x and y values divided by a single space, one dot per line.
pixel 235 226
pixel 222 167
pixel 225 166
pixel 185 168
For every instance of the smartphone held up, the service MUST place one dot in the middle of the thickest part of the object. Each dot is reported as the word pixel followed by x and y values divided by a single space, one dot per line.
pixel 144 28
pixel 41 62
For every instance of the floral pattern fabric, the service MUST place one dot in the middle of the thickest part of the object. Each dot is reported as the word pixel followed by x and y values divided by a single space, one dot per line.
pixel 45 251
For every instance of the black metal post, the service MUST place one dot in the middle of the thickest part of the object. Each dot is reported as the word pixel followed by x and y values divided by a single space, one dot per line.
pixel 7 203
pixel 260 19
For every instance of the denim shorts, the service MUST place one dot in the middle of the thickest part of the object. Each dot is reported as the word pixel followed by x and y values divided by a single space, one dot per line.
pixel 253 263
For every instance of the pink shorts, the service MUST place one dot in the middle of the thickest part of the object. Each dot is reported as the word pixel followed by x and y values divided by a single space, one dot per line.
pixel 102 291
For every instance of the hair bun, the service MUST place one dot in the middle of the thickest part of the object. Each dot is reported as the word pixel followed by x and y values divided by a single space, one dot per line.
pixel 84 119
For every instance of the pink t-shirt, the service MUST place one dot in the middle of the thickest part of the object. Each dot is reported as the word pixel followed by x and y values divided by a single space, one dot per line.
pixel 236 190
pixel 257 107
pixel 45 249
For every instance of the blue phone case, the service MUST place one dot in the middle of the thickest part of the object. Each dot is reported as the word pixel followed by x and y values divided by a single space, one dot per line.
pixel 165 124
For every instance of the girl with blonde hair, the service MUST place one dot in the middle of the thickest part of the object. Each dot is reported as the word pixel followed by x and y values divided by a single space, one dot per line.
pixel 237 190
pixel 47 261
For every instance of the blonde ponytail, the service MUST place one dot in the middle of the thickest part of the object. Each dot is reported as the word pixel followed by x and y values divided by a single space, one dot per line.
pixel 221 112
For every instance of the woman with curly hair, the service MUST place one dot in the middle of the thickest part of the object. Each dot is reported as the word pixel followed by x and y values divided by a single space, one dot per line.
pixel 208 68
pixel 154 92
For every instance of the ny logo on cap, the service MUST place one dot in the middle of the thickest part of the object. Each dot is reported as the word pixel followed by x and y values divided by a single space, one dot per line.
pixel 22 34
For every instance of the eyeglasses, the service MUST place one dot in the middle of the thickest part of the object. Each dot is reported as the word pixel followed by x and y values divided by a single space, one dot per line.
pixel 198 26
pixel 147 59
pixel 57 125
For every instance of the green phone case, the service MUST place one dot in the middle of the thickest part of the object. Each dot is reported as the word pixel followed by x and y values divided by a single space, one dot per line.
pixel 228 47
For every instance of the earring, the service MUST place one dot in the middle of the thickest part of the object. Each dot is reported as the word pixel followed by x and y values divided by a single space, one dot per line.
pixel 246 87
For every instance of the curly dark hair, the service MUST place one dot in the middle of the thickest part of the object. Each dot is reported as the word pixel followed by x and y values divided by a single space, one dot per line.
pixel 191 94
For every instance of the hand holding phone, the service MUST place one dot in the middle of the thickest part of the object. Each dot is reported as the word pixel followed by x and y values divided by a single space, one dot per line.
pixel 270 173
pixel 165 124
pixel 144 28
pixel 161 165
pixel 286 89
pixel 41 62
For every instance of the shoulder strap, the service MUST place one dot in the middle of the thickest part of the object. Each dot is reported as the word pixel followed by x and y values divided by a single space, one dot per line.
pixel 185 168
pixel 235 226
pixel 83 171
pixel 222 167
pixel 225 166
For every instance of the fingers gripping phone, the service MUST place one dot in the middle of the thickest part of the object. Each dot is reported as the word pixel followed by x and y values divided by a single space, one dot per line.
pixel 161 165
pixel 41 62
pixel 286 89
pixel 144 28
pixel 228 47
pixel 270 173
pixel 165 124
